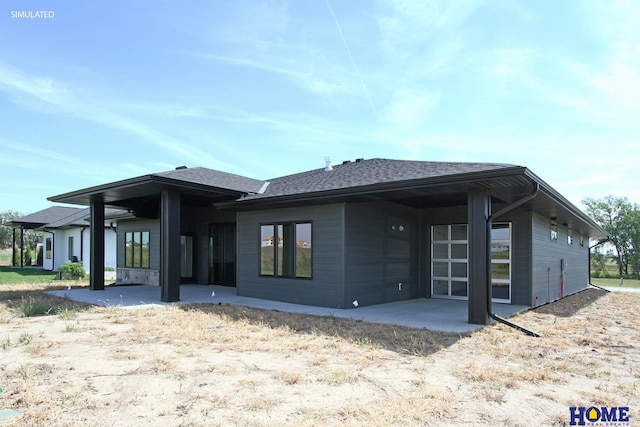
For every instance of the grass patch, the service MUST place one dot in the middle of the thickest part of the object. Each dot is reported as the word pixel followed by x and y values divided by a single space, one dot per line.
pixel 12 275
pixel 30 307
pixel 615 283
pixel 5 257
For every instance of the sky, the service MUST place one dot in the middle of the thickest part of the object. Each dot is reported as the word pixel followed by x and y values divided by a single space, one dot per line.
pixel 97 91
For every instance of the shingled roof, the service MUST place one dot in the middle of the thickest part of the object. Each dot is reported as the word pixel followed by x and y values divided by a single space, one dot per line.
pixel 213 178
pixel 45 216
pixel 364 173
pixel 59 217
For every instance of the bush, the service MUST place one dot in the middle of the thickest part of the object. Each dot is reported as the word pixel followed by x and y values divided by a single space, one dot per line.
pixel 71 270
pixel 27 257
pixel 16 257
pixel 39 258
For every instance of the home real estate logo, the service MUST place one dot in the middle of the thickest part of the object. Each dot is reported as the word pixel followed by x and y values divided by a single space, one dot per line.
pixel 599 416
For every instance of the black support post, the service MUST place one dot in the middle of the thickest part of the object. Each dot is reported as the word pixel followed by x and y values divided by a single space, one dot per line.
pixel 170 246
pixel 22 246
pixel 13 249
pixel 96 246
pixel 479 211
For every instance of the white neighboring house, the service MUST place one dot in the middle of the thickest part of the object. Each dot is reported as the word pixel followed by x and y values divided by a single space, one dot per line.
pixel 66 236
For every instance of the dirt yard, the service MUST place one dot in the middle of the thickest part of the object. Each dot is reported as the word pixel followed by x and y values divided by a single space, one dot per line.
pixel 220 365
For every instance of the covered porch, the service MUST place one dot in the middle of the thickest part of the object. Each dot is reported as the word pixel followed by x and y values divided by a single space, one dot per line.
pixel 433 314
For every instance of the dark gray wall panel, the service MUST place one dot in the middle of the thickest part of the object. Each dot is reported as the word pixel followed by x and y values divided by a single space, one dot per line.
pixel 546 262
pixel 326 287
pixel 381 252
pixel 153 225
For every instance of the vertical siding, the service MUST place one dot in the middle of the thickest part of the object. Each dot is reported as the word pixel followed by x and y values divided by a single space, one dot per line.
pixel 325 288
pixel 546 262
pixel 381 252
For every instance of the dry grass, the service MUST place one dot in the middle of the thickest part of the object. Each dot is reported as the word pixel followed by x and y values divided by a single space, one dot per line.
pixel 220 365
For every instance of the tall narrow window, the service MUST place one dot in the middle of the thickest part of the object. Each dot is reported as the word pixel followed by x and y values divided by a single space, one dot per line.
pixel 70 248
pixel 47 248
pixel 553 232
pixel 136 249
pixel 501 261
pixel 285 250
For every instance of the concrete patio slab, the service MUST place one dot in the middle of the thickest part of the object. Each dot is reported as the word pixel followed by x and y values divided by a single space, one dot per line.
pixel 434 314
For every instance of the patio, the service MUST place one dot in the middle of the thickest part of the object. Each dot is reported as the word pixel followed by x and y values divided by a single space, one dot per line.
pixel 434 314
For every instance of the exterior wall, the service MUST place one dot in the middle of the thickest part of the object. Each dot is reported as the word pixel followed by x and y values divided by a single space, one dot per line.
pixel 547 254
pixel 381 259
pixel 61 252
pixel 326 287
pixel 521 256
pixel 81 243
pixel 142 276
pixel 110 243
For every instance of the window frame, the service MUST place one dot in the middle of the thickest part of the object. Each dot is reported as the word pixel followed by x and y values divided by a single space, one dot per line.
pixel 143 259
pixel 279 252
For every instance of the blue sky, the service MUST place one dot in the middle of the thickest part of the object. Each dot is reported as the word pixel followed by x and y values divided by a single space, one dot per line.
pixel 104 91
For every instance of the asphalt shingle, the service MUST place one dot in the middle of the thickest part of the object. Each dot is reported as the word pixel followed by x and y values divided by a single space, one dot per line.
pixel 214 178
pixel 369 172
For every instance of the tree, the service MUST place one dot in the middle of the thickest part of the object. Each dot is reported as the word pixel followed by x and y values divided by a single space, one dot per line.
pixel 6 231
pixel 621 219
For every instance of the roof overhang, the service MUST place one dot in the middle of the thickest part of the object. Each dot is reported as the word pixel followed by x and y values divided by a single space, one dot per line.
pixel 506 185
pixel 144 191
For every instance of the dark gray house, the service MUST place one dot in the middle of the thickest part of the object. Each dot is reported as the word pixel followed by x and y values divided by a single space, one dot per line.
pixel 373 230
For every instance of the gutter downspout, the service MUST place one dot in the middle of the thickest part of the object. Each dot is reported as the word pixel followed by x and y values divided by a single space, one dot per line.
pixel 501 212
pixel 82 245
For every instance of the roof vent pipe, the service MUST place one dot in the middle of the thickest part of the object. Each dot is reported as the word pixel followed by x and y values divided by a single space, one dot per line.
pixel 328 167
pixel 359 160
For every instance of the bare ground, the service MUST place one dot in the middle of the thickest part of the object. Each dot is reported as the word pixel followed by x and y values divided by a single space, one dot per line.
pixel 219 365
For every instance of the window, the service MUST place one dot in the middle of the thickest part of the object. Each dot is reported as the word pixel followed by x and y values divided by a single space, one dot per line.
pixel 47 248
pixel 136 249
pixel 553 232
pixel 569 237
pixel 70 248
pixel 501 262
pixel 581 240
pixel 285 249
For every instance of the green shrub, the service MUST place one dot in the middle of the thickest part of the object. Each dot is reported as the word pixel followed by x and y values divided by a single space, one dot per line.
pixel 71 270
pixel 27 257
pixel 39 257
pixel 16 257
